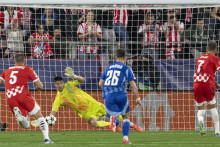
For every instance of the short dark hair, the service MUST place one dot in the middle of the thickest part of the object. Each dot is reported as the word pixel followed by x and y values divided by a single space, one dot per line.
pixel 120 53
pixel 39 24
pixel 58 78
pixel 19 58
pixel 212 45
pixel 200 17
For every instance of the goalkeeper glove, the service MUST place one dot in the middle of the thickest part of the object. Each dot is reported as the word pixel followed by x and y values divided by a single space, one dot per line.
pixel 70 73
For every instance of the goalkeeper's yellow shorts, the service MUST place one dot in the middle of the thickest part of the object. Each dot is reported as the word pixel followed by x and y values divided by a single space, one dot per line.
pixel 94 110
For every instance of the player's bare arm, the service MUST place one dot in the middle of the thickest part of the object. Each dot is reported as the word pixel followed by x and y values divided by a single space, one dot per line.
pixel 135 90
pixel 39 85
pixel 1 81
pixel 101 82
pixel 70 73
pixel 217 86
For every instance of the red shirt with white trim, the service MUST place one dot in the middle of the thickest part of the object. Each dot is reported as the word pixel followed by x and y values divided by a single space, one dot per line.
pixel 206 66
pixel 83 29
pixel 121 15
pixel 5 18
pixel 173 40
pixel 149 36
pixel 45 36
pixel 16 79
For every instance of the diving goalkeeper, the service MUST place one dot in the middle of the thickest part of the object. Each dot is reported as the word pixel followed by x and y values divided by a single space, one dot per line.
pixel 68 95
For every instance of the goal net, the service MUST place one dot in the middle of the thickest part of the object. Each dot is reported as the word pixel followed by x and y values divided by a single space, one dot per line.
pixel 161 41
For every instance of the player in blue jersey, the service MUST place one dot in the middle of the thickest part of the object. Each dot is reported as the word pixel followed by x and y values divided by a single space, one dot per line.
pixel 113 84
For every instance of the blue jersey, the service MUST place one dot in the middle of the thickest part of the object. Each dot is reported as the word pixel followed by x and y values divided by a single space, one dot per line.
pixel 115 77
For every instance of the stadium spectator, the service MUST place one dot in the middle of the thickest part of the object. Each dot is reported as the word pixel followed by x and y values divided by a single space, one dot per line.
pixel 185 16
pixel 15 36
pixel 41 45
pixel 149 32
pixel 7 15
pixel 26 21
pixel 50 20
pixel 4 51
pixel 89 32
pixel 197 36
pixel 59 45
pixel 136 18
pixel 215 20
pixel 75 18
pixel 36 17
pixel 120 22
pixel 173 30
pixel 206 12
pixel 105 20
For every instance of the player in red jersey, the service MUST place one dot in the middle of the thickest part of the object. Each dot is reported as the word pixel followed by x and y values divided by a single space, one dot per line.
pixel 19 99
pixel 204 86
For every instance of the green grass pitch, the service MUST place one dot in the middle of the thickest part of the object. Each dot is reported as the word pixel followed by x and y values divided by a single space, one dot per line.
pixel 109 139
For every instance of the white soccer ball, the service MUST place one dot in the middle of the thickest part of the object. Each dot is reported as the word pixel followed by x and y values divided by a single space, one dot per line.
pixel 51 120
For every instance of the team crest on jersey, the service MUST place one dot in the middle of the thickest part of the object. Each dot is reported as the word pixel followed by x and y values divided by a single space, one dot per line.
pixel 69 89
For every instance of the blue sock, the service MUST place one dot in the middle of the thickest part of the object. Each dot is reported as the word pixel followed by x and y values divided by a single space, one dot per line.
pixel 117 123
pixel 126 127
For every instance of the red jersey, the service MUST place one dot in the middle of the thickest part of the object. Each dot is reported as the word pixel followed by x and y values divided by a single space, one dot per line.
pixel 121 15
pixel 47 48
pixel 206 66
pixel 16 79
pixel 151 38
pixel 5 18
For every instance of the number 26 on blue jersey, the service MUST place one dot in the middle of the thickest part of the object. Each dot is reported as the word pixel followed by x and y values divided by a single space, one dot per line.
pixel 112 77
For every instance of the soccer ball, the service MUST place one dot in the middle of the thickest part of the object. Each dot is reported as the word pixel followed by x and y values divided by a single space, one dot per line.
pixel 51 120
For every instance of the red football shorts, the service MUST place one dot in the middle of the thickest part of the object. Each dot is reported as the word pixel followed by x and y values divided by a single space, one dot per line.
pixel 204 92
pixel 25 102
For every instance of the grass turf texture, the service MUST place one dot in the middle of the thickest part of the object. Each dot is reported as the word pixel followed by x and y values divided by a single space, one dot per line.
pixel 109 139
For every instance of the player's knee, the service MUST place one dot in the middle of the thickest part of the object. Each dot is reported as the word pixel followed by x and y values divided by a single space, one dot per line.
pixel 25 124
pixel 126 116
pixel 38 115
pixel 92 122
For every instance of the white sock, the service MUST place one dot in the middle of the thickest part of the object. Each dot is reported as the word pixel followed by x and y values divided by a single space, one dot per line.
pixel 25 123
pixel 215 119
pixel 44 127
pixel 125 137
pixel 131 124
pixel 200 115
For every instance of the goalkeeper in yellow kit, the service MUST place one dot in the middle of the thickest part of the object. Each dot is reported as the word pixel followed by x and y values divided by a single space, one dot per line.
pixel 68 95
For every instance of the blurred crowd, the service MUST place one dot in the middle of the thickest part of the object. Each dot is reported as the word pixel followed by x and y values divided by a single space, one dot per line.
pixel 47 33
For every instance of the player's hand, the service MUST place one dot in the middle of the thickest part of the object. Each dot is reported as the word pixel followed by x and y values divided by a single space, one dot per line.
pixel 139 103
pixel 70 73
pixel 217 86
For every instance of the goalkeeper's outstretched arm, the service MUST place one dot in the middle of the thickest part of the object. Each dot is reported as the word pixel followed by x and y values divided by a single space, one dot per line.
pixel 70 73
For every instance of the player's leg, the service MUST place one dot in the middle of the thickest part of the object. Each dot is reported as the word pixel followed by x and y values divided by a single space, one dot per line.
pixel 199 99
pixel 33 109
pixel 200 114
pixel 19 113
pixel 43 125
pixel 95 110
pixel 211 101
pixel 21 117
pixel 125 109
pixel 112 110
pixel 215 118
pixel 126 128
pixel 100 124
pixel 132 125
